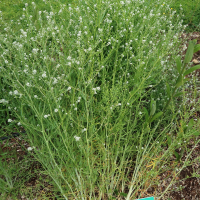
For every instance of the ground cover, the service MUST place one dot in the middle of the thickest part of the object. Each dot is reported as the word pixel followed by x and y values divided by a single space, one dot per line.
pixel 91 84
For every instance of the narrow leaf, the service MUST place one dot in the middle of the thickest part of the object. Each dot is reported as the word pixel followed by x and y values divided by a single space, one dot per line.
pixel 191 70
pixel 156 116
pixel 196 48
pixel 168 90
pixel 196 133
pixel 190 51
pixel 179 81
pixel 146 114
pixel 123 194
pixel 169 140
pixel 185 80
pixel 177 156
pixel 181 154
pixel 178 64
pixel 191 122
pixel 152 107
pixel 178 94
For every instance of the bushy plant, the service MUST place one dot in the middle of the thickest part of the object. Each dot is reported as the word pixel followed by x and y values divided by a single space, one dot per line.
pixel 84 83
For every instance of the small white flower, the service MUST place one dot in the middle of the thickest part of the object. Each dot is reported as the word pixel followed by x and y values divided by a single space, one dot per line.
pixel 140 112
pixel 9 120
pixel 44 75
pixel 16 92
pixel 77 138
pixel 34 71
pixel 83 130
pixel 69 88
pixel 18 123
pixel 34 51
pixel 28 84
pixel 35 96
pixel 119 104
pixel 30 148
pixel 45 116
pixel 128 103
pixel 56 110
pixel 98 88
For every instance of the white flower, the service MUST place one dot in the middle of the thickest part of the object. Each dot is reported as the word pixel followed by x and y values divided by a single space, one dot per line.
pixel 140 113
pixel 45 116
pixel 34 71
pixel 3 101
pixel 35 50
pixel 35 96
pixel 77 138
pixel 9 120
pixel 30 148
pixel 55 81
pixel 69 88
pixel 10 93
pixel 83 130
pixel 98 88
pixel 44 75
pixel 16 92
pixel 56 110
pixel 18 123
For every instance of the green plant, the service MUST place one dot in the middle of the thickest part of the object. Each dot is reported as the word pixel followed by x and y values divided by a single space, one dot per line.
pixel 86 83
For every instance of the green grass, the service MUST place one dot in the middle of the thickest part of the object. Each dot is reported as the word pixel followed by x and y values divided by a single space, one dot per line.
pixel 93 83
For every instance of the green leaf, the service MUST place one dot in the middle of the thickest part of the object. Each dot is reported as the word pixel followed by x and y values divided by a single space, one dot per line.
pixel 178 64
pixel 168 90
pixel 152 107
pixel 196 133
pixel 169 140
pixel 179 81
pixel 177 156
pixel 185 80
pixel 123 194
pixel 191 70
pixel 146 114
pixel 196 48
pixel 191 122
pixel 190 51
pixel 156 116
pixel 178 94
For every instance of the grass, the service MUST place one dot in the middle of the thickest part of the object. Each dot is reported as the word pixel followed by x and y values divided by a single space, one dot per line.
pixel 93 83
